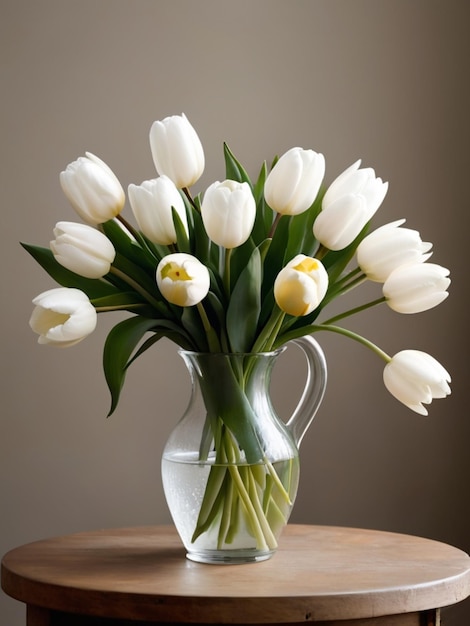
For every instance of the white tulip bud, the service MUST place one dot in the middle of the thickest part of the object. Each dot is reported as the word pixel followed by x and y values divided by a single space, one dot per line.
pixel 348 204
pixel 177 151
pixel 92 189
pixel 228 211
pixel 152 204
pixel 293 184
pixel 301 285
pixel 82 249
pixel 416 287
pixel 388 247
pixel 415 377
pixel 182 279
pixel 62 317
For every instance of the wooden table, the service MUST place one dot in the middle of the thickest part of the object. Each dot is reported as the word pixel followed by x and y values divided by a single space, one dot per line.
pixel 321 575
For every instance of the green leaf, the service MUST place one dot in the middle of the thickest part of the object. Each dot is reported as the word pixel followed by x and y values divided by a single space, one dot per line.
pixel 94 288
pixel 200 243
pixel 244 306
pixel 125 246
pixel 126 300
pixel 224 398
pixel 119 345
pixel 182 240
pixel 192 323
pixel 264 214
pixel 267 306
pixel 239 259
pixel 258 190
pixel 301 239
pixel 233 168
pixel 148 343
pixel 157 251
pixel 215 306
pixel 274 260
pixel 137 274
pixel 163 328
pixel 263 222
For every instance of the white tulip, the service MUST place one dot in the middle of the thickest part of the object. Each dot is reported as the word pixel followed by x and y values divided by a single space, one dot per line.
pixel 415 377
pixel 416 287
pixel 228 211
pixel 82 249
pixel 293 184
pixel 92 189
pixel 176 150
pixel 182 279
pixel 388 247
pixel 62 317
pixel 301 285
pixel 348 204
pixel 152 204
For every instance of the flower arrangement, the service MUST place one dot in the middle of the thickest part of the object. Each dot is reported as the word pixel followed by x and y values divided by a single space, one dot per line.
pixel 244 267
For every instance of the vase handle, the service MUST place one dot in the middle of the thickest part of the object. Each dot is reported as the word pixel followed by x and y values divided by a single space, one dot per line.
pixel 314 389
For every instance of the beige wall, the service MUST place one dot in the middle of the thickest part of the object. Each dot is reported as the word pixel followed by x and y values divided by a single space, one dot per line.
pixel 385 80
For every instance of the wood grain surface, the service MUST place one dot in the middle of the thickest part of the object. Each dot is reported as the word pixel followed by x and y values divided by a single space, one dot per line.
pixel 319 574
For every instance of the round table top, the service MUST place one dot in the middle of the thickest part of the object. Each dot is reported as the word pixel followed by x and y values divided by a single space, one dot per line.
pixel 318 573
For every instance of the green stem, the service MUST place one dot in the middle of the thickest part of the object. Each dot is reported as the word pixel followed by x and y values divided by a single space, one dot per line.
pixel 249 497
pixel 228 255
pixel 274 333
pixel 347 277
pixel 226 518
pixel 357 309
pixel 135 233
pixel 125 307
pixel 321 252
pixel 352 335
pixel 340 288
pixel 274 225
pixel 186 192
pixel 267 336
pixel 277 481
pixel 135 285
pixel 212 339
pixel 268 536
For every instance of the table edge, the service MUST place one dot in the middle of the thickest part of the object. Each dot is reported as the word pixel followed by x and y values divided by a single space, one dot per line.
pixel 210 609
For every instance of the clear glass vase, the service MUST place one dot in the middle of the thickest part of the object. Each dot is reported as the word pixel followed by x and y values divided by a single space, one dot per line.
pixel 230 467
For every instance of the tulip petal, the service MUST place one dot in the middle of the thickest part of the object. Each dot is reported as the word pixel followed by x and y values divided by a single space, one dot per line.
pixel 62 317
pixel 416 287
pixel 342 223
pixel 342 218
pixel 300 286
pixel 182 279
pixel 293 184
pixel 415 377
pixel 228 212
pixel 176 150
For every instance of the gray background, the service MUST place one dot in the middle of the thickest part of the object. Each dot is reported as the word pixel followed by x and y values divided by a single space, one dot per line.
pixel 381 80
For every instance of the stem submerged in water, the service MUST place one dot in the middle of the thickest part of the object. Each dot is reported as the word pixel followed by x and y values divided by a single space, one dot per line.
pixel 237 493
pixel 250 457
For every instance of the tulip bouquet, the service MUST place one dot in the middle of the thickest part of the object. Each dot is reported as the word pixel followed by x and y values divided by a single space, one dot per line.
pixel 242 268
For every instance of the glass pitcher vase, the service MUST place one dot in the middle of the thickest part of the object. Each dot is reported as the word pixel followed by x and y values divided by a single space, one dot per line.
pixel 230 468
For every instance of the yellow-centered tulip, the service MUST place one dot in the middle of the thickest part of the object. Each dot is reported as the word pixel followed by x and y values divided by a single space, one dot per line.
pixel 182 279
pixel 301 285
